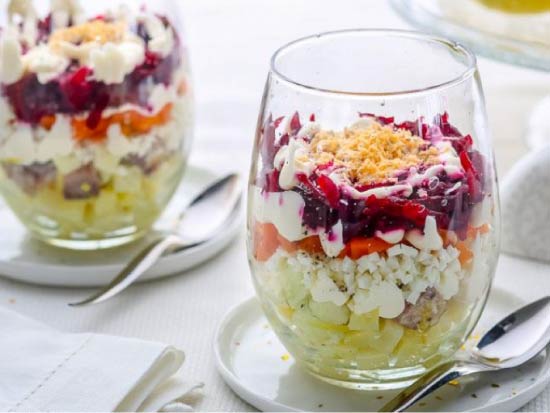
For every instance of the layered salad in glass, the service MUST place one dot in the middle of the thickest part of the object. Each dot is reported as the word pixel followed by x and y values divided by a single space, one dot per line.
pixel 95 120
pixel 371 245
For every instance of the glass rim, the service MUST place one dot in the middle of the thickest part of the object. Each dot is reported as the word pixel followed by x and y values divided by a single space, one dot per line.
pixel 456 48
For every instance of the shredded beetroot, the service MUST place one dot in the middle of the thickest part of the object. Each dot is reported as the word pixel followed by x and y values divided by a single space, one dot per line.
pixel 74 92
pixel 450 199
pixel 329 189
pixel 95 114
pixel 295 124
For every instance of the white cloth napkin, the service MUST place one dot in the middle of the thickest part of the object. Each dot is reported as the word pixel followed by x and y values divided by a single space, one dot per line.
pixel 42 369
pixel 525 201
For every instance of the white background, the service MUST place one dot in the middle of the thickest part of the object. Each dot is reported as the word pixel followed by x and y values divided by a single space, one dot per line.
pixel 231 42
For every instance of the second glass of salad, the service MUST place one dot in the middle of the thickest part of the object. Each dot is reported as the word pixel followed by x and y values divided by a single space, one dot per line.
pixel 95 117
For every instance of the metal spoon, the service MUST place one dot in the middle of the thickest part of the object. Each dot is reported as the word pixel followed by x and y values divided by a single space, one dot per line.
pixel 200 220
pixel 513 341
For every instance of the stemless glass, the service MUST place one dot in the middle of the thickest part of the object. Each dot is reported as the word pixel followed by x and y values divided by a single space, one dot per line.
pixel 95 117
pixel 373 207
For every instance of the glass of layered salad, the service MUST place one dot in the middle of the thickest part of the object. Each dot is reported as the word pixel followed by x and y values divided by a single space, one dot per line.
pixel 95 117
pixel 373 209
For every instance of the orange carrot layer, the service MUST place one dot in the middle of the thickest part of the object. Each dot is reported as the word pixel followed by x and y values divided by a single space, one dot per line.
pixel 265 241
pixel 132 123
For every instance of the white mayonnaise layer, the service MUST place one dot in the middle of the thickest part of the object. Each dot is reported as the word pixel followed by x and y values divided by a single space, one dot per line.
pixel 285 210
pixel 21 143
pixel 46 64
pixel 293 160
pixel 11 64
pixel 333 241
pixel 162 38
pixel 429 239
pixel 282 209
pixel 110 62
pixel 391 237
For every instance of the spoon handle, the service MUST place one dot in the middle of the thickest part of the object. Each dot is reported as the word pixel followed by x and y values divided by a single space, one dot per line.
pixel 135 268
pixel 430 382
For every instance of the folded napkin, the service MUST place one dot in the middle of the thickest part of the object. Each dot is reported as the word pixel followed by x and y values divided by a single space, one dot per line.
pixel 42 369
pixel 525 201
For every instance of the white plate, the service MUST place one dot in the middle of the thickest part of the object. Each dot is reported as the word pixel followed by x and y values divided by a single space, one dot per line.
pixel 257 367
pixel 26 259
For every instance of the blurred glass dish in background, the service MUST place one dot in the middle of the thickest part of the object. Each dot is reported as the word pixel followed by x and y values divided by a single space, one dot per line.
pixel 517 32
pixel 513 31
pixel 95 119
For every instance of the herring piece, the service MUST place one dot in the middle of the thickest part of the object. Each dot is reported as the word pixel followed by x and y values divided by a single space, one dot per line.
pixel 426 312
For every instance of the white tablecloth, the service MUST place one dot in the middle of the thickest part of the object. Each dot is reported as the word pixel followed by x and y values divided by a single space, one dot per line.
pixel 231 42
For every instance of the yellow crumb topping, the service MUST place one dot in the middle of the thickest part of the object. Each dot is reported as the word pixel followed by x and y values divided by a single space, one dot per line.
pixel 372 153
pixel 95 31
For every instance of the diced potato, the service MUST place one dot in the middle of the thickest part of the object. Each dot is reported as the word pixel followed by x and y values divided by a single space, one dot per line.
pixel 451 319
pixel 339 352
pixel 314 331
pixel 66 164
pixel 130 182
pixel 106 162
pixel 106 203
pixel 294 289
pixel 383 341
pixel 411 349
pixel 72 211
pixel 330 312
pixel 386 339
pixel 126 201
pixel 390 334
pixel 53 204
pixel 359 339
pixel 365 322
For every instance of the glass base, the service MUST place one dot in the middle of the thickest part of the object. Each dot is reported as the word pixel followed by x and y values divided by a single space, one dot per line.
pixel 91 244
pixel 370 380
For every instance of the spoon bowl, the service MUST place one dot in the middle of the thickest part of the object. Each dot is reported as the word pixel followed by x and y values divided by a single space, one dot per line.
pixel 517 338
pixel 511 342
pixel 198 222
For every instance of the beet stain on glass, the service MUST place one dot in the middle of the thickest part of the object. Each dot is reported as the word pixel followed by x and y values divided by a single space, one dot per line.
pixel 96 119
pixel 373 217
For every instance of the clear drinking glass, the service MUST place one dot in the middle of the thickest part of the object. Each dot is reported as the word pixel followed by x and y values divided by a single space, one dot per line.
pixel 373 207
pixel 95 117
